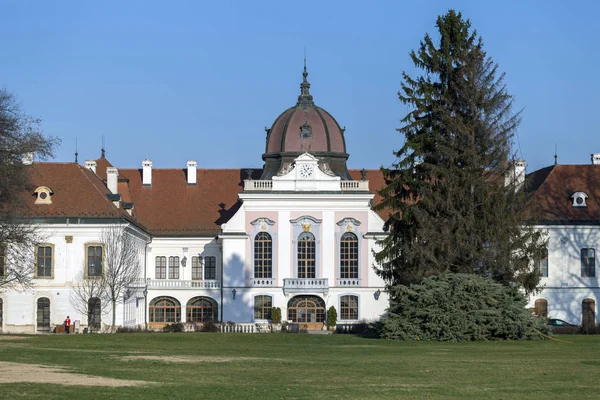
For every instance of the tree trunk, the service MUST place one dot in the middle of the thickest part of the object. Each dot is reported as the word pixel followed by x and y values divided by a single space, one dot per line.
pixel 114 314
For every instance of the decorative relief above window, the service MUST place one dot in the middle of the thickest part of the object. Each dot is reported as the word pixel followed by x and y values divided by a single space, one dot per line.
pixel 262 224
pixel 306 223
pixel 348 224
pixel 43 195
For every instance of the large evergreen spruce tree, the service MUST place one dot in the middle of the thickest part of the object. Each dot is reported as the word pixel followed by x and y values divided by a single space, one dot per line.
pixel 451 209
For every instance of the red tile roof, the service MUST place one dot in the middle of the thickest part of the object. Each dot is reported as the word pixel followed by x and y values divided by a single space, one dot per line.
pixel 78 192
pixel 552 188
pixel 170 207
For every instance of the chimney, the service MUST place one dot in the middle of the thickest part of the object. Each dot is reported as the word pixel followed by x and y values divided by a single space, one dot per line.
pixel 519 173
pixel 91 165
pixel 147 172
pixel 191 172
pixel 516 174
pixel 27 159
pixel 596 158
pixel 112 179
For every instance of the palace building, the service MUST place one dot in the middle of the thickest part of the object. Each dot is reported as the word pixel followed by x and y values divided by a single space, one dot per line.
pixel 299 234
pixel 217 244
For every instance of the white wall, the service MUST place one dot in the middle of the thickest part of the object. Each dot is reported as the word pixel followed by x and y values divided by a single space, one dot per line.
pixel 565 288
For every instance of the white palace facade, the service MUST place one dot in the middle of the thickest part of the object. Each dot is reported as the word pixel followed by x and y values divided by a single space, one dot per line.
pixel 220 245
pixel 229 244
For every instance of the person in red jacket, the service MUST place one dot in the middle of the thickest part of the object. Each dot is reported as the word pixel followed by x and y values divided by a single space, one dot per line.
pixel 67 324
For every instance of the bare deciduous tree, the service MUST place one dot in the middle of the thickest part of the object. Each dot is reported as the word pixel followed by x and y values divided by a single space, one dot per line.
pixel 121 267
pixel 20 137
pixel 88 297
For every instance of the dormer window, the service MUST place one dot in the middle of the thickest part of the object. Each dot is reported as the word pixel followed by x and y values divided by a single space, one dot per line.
pixel 579 199
pixel 43 195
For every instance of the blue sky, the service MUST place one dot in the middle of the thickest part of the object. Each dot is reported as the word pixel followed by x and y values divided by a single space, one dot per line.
pixel 180 80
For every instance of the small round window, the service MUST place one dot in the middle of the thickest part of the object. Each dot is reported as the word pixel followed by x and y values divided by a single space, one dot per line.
pixel 578 200
pixel 43 195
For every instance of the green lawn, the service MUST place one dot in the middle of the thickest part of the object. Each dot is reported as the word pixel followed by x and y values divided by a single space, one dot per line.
pixel 293 366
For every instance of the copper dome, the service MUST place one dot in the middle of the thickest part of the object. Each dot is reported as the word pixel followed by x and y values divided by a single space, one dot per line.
pixel 305 127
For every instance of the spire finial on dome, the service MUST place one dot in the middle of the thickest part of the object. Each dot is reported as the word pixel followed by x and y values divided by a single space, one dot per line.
pixel 305 99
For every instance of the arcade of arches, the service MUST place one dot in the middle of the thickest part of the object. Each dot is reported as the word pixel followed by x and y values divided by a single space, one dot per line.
pixel 165 310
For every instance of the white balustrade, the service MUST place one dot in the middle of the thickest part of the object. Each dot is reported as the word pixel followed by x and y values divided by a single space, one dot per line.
pixel 183 284
pixel 263 282
pixel 345 186
pixel 258 185
pixel 344 282
pixel 358 186
pixel 305 284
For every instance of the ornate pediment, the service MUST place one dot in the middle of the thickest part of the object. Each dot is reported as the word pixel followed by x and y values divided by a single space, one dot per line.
pixel 348 224
pixel 262 224
pixel 305 174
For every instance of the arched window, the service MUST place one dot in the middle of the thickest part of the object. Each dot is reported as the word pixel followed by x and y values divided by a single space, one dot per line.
pixel 588 315
pixel 160 265
pixel 164 310
pixel 349 256
pixel 262 307
pixel 306 255
pixel 263 255
pixel 173 267
pixel 349 307
pixel 43 314
pixel 94 313
pixel 541 308
pixel 196 268
pixel 306 309
pixel 202 309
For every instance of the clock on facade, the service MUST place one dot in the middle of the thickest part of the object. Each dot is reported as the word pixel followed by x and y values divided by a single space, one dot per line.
pixel 306 171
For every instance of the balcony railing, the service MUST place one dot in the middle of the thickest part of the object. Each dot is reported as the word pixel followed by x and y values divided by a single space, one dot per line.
pixel 344 282
pixel 305 285
pixel 356 186
pixel 183 284
pixel 267 185
pixel 258 185
pixel 263 282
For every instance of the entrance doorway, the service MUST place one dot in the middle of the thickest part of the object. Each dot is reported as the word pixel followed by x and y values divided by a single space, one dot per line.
pixel 43 315
pixel 307 311
pixel 588 315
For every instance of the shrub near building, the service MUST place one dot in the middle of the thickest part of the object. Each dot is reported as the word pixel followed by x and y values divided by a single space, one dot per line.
pixel 460 307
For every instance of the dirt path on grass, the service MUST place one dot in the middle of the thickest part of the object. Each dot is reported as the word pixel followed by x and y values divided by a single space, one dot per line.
pixel 11 372
pixel 199 359
pixel 11 337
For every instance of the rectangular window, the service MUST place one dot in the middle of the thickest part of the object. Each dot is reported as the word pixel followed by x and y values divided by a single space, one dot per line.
pixel 94 260
pixel 542 263
pixel 196 268
pixel 160 265
pixel 44 262
pixel 173 267
pixel 2 261
pixel 588 263
pixel 262 307
pixel 349 256
pixel 210 267
pixel 349 308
